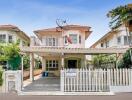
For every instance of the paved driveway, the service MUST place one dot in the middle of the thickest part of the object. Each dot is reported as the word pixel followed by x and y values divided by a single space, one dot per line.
pixel 122 96
pixel 44 84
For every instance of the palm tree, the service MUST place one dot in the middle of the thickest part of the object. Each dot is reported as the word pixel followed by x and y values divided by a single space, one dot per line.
pixel 121 15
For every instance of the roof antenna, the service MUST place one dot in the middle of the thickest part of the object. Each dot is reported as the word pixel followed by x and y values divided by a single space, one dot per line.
pixel 60 23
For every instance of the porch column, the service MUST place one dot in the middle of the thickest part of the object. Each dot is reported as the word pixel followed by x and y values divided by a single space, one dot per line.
pixel 43 64
pixel 116 63
pixel 31 67
pixel 22 69
pixel 7 39
pixel 62 61
pixel 85 62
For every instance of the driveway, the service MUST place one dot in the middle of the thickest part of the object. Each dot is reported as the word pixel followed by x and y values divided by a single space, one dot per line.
pixel 44 84
pixel 121 96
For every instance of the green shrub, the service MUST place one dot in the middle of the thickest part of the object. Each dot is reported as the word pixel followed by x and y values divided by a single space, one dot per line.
pixel 125 62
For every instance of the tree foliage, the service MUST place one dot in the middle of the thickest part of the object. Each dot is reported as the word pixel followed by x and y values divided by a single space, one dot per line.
pixel 120 15
pixel 10 53
pixel 97 60
pixel 125 62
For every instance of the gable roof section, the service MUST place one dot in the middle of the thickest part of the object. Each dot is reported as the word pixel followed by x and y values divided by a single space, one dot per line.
pixel 104 37
pixel 15 29
pixel 66 27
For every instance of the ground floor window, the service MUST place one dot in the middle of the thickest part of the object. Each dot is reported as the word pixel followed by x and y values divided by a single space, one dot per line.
pixel 52 65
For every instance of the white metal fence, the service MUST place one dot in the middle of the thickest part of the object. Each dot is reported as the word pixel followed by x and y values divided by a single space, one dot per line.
pixel 93 80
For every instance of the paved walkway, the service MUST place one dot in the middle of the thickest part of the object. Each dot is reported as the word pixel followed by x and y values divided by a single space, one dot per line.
pixel 122 96
pixel 44 84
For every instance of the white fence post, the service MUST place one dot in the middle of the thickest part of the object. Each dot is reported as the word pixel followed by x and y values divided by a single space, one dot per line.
pixel 131 77
pixel 4 82
pixel 62 80
pixel 96 80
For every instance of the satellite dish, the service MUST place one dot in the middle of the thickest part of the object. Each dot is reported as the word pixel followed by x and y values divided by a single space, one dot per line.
pixel 60 23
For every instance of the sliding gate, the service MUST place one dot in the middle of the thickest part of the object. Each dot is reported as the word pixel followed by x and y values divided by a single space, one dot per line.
pixel 96 80
pixel 85 80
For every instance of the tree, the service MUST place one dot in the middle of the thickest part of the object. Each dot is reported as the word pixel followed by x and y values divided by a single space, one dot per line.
pixel 26 61
pixel 10 53
pixel 100 59
pixel 125 62
pixel 119 16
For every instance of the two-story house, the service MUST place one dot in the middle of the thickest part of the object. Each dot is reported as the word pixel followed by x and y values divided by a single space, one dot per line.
pixel 117 38
pixel 70 36
pixel 12 34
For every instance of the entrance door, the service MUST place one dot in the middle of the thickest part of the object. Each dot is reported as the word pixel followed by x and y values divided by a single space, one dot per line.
pixel 72 63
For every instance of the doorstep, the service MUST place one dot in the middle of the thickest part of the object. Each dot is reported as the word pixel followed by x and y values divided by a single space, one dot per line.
pixel 64 93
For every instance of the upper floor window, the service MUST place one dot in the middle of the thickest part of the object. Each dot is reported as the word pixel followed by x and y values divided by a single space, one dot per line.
pixel 10 39
pixel 51 41
pixel 23 43
pixel 73 38
pixel 2 38
pixel 107 44
pixel 118 40
pixel 127 40
pixel 102 44
pixel 65 39
pixel 80 39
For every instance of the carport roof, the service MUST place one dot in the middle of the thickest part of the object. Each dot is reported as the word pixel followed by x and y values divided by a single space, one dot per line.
pixel 39 49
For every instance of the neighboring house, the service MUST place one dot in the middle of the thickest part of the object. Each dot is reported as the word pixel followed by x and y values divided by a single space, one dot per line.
pixel 114 39
pixel 71 36
pixel 12 34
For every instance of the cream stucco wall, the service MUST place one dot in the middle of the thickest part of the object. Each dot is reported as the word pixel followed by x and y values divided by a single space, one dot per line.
pixel 113 39
pixel 15 36
pixel 66 57
pixel 60 37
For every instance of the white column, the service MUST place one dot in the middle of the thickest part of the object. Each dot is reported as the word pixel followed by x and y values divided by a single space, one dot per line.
pixel 85 62
pixel 131 77
pixel 43 64
pixel 7 38
pixel 22 69
pixel 62 61
pixel 31 67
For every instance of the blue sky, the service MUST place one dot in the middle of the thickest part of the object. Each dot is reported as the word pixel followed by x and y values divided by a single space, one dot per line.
pixel 31 15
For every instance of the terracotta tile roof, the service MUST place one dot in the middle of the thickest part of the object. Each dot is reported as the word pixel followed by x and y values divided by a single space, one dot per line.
pixel 15 29
pixel 9 27
pixel 66 27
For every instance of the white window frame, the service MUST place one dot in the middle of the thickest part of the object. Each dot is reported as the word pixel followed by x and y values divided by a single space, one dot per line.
pixel 1 38
pixel 51 41
pixel 119 40
pixel 50 65
pixel 129 39
pixel 107 44
pixel 10 41
pixel 71 36
pixel 80 39
pixel 102 45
